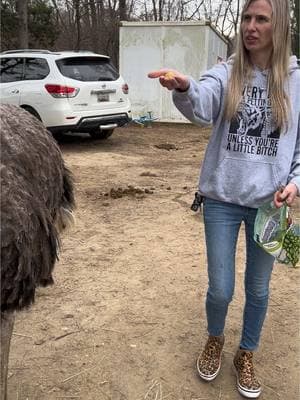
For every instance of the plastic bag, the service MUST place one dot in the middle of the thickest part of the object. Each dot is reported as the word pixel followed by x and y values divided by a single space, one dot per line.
pixel 276 233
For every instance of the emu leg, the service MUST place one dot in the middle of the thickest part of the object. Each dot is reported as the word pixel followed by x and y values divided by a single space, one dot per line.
pixel 7 324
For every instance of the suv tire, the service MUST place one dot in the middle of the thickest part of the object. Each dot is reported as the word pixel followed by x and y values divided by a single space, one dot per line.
pixel 101 134
pixel 32 112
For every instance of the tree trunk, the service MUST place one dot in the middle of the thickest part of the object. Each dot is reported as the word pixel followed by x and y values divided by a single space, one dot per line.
pixel 95 27
pixel 122 10
pixel 76 5
pixel 297 34
pixel 154 10
pixel 22 15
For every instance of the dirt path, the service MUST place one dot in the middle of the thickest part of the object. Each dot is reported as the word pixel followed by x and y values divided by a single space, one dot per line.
pixel 125 319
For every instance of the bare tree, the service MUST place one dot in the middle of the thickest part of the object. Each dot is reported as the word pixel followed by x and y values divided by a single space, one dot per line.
pixel 122 10
pixel 94 24
pixel 22 15
pixel 295 8
pixel 76 5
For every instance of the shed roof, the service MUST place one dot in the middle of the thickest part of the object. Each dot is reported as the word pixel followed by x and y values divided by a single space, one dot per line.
pixel 173 23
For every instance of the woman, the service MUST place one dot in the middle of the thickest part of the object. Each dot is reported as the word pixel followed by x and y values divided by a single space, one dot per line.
pixel 253 157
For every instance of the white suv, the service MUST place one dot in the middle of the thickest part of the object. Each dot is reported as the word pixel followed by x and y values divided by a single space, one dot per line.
pixel 68 91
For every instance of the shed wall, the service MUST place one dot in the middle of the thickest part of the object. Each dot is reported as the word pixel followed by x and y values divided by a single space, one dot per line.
pixel 189 48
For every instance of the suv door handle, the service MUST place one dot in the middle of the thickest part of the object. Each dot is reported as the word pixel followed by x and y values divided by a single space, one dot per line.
pixel 15 91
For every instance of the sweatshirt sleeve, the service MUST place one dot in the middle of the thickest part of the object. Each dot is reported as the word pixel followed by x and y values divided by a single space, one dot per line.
pixel 294 176
pixel 202 102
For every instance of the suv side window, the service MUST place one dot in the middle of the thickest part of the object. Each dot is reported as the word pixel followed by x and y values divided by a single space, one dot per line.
pixel 88 69
pixel 11 69
pixel 36 68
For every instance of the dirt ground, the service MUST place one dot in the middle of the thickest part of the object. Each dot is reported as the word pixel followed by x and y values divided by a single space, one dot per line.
pixel 125 319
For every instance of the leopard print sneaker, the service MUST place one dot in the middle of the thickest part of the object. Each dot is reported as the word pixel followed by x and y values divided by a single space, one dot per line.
pixel 247 383
pixel 209 361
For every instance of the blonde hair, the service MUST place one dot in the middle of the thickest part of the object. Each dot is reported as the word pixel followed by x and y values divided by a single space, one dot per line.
pixel 242 68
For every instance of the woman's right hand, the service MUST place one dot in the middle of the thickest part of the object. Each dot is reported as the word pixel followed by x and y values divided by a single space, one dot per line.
pixel 171 79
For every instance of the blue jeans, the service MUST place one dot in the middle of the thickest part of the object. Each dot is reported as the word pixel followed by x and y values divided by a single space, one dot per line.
pixel 222 224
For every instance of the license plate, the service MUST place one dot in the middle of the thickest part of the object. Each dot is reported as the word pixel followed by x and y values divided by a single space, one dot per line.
pixel 102 97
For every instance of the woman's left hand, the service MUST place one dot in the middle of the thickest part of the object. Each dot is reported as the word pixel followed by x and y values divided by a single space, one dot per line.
pixel 286 195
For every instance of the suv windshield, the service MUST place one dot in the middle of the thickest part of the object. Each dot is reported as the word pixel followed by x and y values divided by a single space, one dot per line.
pixel 88 69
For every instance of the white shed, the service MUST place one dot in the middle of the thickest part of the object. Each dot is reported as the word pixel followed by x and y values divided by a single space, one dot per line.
pixel 190 47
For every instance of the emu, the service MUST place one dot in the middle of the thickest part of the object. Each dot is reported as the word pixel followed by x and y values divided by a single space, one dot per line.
pixel 37 200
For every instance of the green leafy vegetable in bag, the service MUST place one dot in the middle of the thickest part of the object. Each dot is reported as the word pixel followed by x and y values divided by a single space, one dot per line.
pixel 275 232
pixel 291 246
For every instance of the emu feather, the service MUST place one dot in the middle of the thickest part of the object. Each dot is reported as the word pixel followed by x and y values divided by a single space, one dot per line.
pixel 36 201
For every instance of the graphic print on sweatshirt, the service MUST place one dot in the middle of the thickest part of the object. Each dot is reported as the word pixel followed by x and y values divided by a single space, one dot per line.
pixel 252 130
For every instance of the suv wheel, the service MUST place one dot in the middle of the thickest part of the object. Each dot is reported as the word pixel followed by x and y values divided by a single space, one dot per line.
pixel 32 112
pixel 101 134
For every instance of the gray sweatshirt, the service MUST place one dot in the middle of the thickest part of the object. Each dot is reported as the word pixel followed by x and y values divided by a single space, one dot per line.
pixel 247 159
